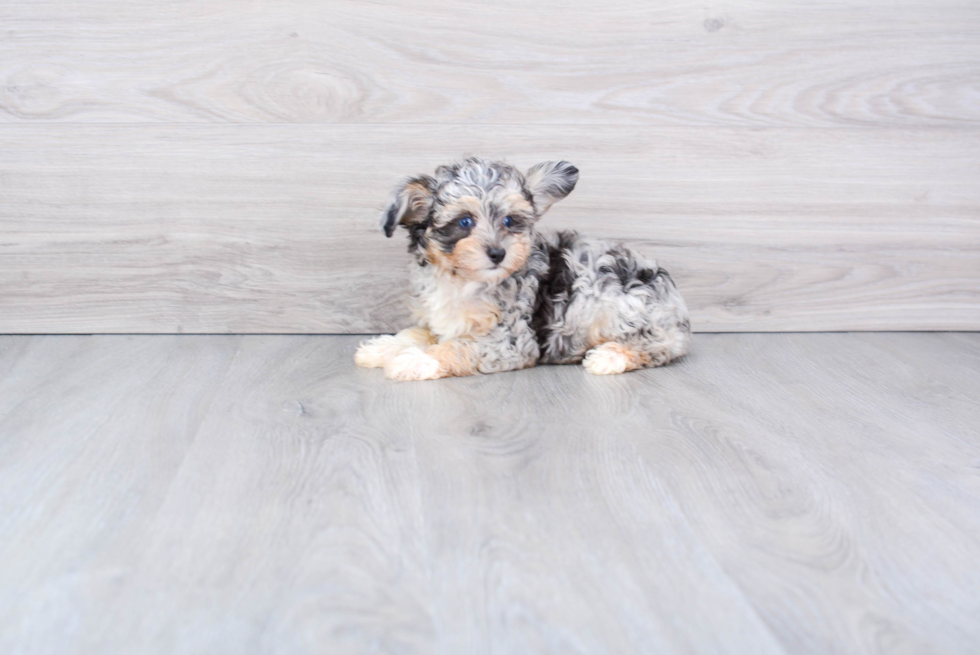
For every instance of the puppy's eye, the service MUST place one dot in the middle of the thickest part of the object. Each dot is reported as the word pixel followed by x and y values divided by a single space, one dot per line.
pixel 508 221
pixel 466 221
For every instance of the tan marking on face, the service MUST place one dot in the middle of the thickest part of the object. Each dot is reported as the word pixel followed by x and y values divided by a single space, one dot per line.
pixel 455 357
pixel 435 256
pixel 518 250
pixel 468 259
pixel 468 255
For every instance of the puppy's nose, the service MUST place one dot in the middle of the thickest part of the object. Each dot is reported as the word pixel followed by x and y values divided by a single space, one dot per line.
pixel 496 255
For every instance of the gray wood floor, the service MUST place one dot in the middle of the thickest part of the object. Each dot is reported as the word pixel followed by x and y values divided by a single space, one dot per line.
pixel 780 493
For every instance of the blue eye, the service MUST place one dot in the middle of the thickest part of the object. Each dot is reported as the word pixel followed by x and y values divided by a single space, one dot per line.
pixel 466 221
pixel 508 221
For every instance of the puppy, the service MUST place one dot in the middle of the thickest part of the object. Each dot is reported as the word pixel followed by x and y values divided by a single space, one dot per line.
pixel 490 293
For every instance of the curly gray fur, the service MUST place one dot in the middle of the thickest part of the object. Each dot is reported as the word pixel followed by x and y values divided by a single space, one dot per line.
pixel 549 297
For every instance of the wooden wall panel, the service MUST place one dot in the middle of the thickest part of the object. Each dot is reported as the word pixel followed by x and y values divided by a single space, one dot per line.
pixel 218 166
pixel 205 228
pixel 823 64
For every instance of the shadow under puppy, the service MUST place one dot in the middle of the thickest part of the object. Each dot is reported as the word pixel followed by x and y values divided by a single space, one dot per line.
pixel 490 293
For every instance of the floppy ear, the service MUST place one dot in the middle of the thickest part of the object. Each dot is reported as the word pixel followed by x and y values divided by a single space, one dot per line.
pixel 549 182
pixel 410 203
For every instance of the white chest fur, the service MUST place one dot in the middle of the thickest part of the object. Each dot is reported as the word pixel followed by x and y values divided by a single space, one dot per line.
pixel 451 307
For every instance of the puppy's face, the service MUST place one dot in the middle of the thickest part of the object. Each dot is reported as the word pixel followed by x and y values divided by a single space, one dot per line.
pixel 481 239
pixel 475 220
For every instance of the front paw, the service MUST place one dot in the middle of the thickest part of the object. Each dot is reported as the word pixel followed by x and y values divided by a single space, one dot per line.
pixel 373 353
pixel 413 364
pixel 369 355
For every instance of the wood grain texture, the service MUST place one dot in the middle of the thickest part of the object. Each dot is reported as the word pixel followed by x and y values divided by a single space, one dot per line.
pixel 92 435
pixel 789 493
pixel 274 228
pixel 217 166
pixel 744 63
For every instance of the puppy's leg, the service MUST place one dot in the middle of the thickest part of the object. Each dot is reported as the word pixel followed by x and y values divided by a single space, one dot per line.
pixel 446 359
pixel 375 352
pixel 611 358
pixel 614 357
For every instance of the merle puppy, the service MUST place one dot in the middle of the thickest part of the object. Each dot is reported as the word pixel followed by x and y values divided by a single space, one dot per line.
pixel 490 293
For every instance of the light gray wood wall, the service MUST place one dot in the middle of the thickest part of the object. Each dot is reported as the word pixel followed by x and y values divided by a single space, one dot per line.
pixel 219 166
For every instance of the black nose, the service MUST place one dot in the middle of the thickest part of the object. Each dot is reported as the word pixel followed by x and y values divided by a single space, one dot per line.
pixel 496 255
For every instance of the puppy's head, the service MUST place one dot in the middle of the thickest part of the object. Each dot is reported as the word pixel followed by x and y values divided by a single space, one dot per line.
pixel 476 219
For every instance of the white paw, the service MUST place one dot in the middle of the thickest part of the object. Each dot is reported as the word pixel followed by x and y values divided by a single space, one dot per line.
pixel 371 354
pixel 605 360
pixel 412 364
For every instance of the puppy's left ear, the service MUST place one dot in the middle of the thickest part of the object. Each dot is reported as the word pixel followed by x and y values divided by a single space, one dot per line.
pixel 410 203
pixel 549 182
